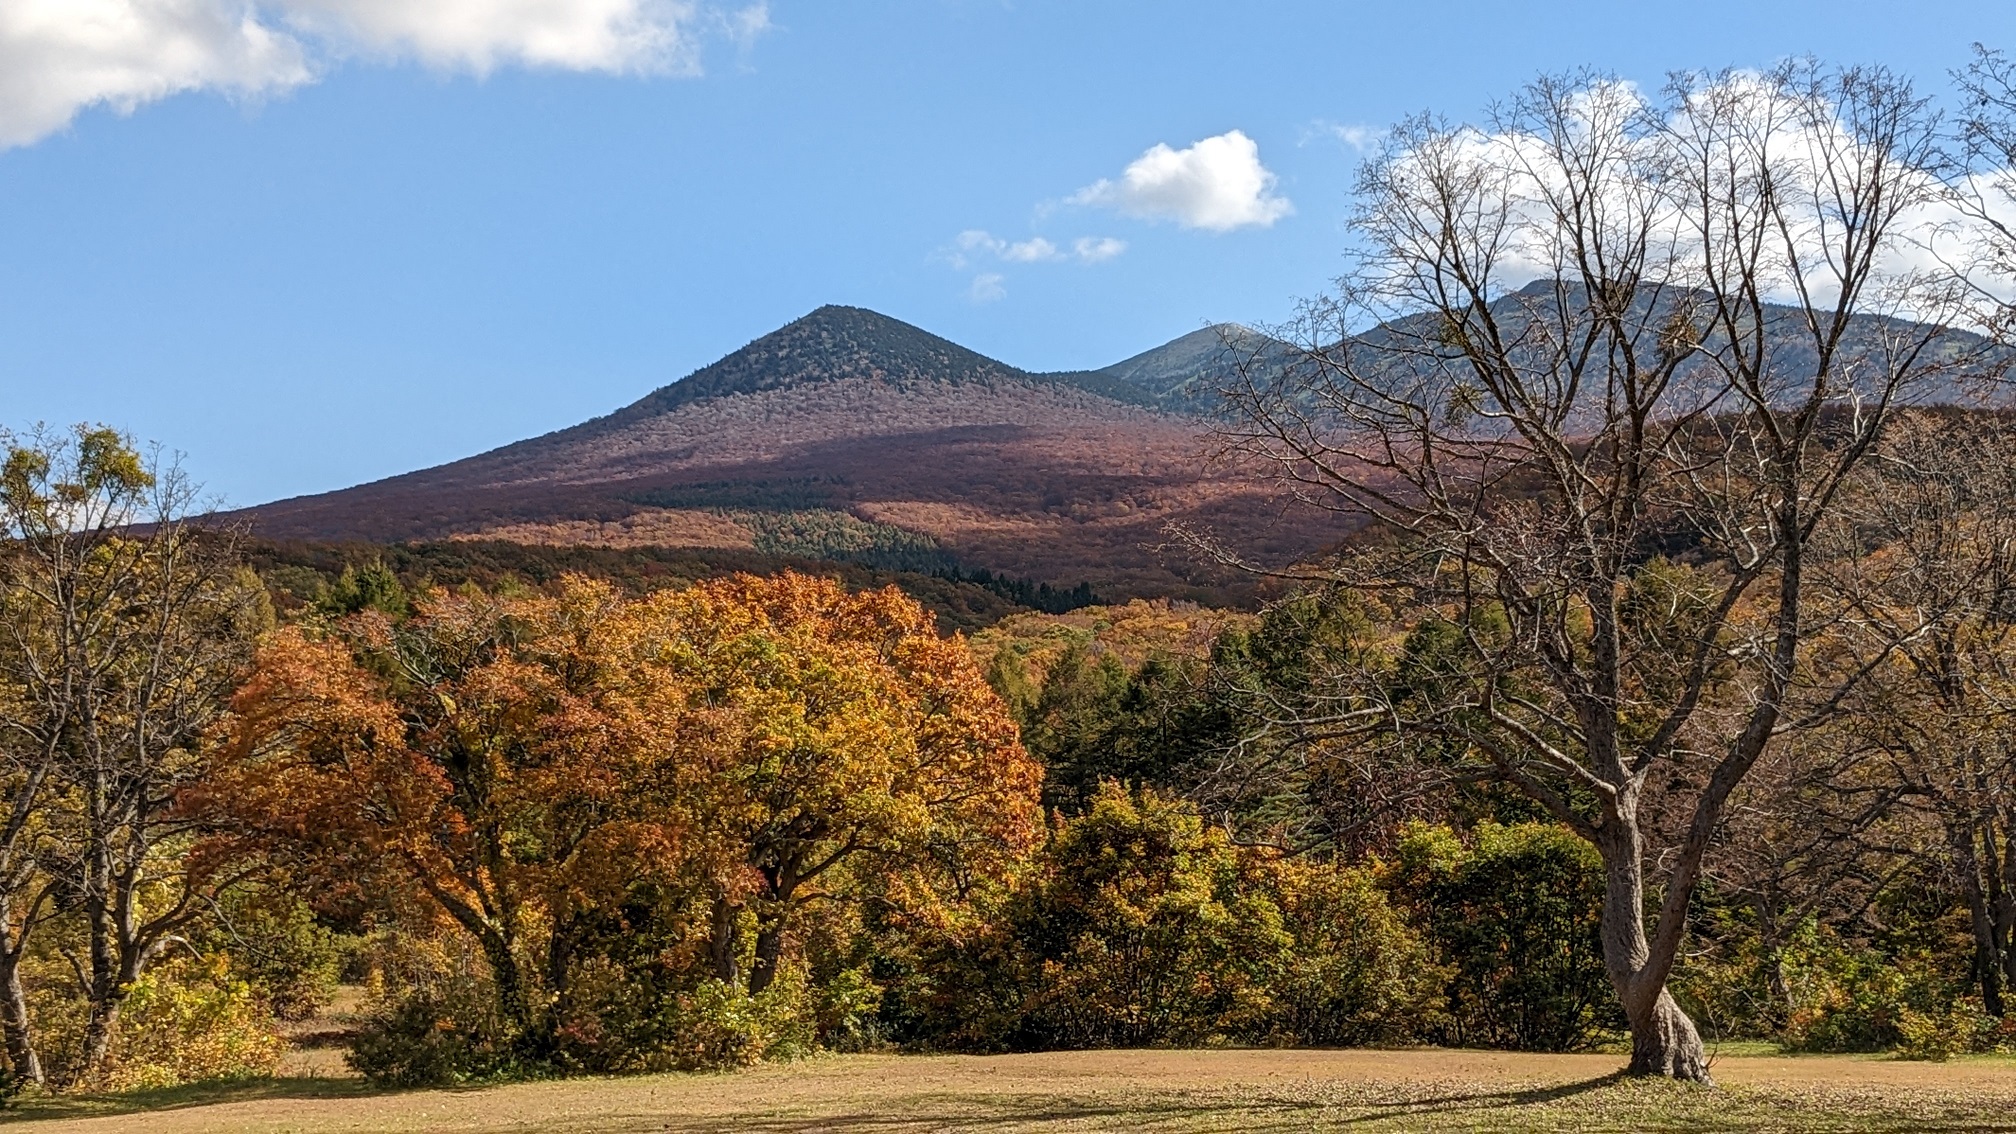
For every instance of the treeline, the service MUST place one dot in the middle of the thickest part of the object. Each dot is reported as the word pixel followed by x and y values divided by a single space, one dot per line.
pixel 301 574
pixel 565 829
pixel 568 829
pixel 1025 592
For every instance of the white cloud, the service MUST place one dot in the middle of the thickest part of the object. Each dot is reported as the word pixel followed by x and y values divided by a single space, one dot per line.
pixel 747 25
pixel 619 36
pixel 986 288
pixel 978 242
pixel 1216 184
pixel 1353 135
pixel 1032 251
pixel 1093 250
pixel 58 57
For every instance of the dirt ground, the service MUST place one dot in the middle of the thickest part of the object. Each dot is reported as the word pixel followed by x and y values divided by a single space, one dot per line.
pixel 1252 1092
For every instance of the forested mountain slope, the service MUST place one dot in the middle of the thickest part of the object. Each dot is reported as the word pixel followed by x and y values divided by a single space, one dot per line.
pixel 849 435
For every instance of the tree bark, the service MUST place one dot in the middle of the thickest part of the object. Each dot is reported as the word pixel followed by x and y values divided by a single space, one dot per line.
pixel 98 1030
pixel 16 1025
pixel 1987 959
pixel 769 947
pixel 1664 1040
pixel 722 946
pixel 510 981
pixel 1665 1043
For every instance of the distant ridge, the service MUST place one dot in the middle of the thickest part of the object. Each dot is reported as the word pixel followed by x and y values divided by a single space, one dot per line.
pixel 1183 375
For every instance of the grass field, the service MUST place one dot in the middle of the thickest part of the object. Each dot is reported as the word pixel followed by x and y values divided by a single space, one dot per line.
pixel 1251 1092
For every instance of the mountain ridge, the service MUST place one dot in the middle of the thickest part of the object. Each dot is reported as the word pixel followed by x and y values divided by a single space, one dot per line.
pixel 850 434
pixel 866 432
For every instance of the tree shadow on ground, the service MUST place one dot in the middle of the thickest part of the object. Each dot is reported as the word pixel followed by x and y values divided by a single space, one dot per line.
pixel 1258 1114
pixel 49 1108
pixel 1483 1099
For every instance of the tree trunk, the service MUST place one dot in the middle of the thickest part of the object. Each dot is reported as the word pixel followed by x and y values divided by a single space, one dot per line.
pixel 111 978
pixel 769 947
pixel 98 1031
pixel 15 1024
pixel 511 1001
pixel 2002 904
pixel 722 947
pixel 1664 1041
pixel 1987 962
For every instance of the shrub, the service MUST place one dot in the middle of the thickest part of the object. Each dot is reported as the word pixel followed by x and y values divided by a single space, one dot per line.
pixel 186 1021
pixel 1142 930
pixel 848 1010
pixel 1516 914
pixel 428 1040
pixel 431 1018
pixel 722 1025
pixel 1940 1035
pixel 278 947
pixel 1845 999
pixel 1356 972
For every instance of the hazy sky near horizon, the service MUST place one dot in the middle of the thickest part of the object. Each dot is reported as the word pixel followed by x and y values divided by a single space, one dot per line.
pixel 316 242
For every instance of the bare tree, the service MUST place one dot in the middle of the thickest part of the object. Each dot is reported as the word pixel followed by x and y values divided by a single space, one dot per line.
pixel 1712 332
pixel 121 629
pixel 1985 256
pixel 1923 577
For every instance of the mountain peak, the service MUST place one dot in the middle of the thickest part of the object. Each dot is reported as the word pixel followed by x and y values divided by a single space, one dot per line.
pixel 830 344
pixel 1185 369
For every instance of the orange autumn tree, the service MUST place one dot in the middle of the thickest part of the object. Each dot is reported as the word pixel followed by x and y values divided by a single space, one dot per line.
pixel 523 764
pixel 462 754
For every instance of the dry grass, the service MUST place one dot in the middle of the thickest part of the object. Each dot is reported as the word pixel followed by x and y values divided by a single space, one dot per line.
pixel 1253 1092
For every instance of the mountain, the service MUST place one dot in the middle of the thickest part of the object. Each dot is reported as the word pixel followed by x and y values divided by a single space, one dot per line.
pixel 1182 374
pixel 852 436
pixel 837 343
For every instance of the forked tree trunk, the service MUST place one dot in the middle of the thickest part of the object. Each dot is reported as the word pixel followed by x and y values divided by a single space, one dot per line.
pixel 1664 1040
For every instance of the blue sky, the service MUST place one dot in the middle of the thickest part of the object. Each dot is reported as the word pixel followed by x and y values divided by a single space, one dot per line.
pixel 407 244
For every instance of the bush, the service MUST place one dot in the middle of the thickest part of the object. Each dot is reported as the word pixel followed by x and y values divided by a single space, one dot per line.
pixel 1142 931
pixel 848 1011
pixel 431 1019
pixel 1516 913
pixel 1846 999
pixel 1356 972
pixel 277 946
pixel 722 1025
pixel 1938 1036
pixel 426 1041
pixel 187 1021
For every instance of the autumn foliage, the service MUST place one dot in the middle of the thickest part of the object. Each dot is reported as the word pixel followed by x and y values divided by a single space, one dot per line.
pixel 557 776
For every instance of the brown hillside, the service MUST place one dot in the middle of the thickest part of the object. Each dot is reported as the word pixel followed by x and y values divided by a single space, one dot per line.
pixel 1043 477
